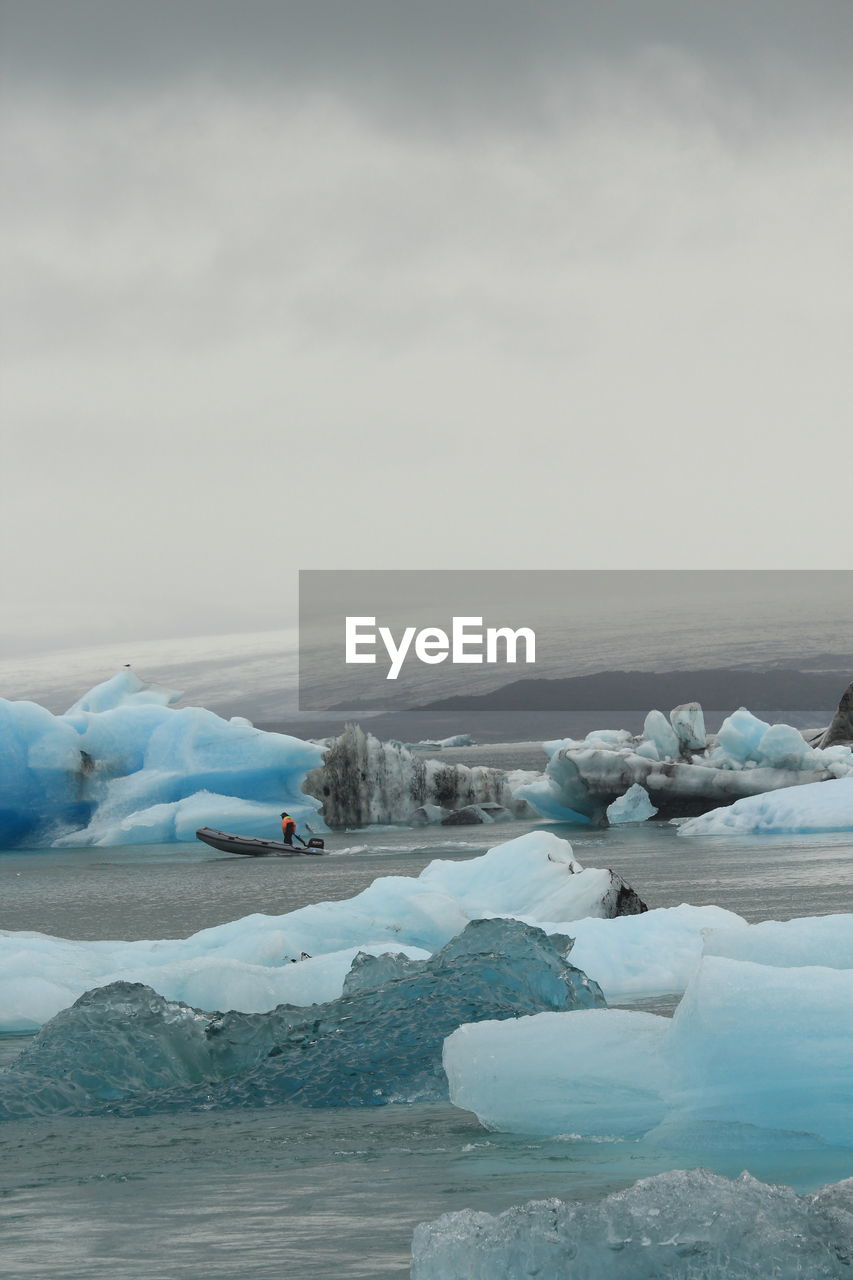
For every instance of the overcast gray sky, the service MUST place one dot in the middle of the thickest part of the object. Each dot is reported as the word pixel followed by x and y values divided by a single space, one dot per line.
pixel 391 285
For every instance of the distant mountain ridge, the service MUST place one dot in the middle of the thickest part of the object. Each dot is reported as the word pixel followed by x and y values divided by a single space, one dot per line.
pixel 715 687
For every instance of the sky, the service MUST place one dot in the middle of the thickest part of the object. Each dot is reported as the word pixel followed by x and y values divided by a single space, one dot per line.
pixel 412 285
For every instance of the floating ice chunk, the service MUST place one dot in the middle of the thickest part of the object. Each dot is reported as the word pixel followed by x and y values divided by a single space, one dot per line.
pixel 658 731
pixel 239 964
pixel 42 975
pixel 656 953
pixel 634 806
pixel 379 1042
pixel 180 819
pixel 596 1073
pixel 767 1046
pixel 545 796
pixel 40 773
pixel 125 689
pixel 740 734
pixel 815 806
pixel 439 744
pixel 598 738
pixel 472 815
pixel 750 757
pixel 783 747
pixel 750 1044
pixel 688 721
pixel 123 765
pixel 542 870
pixel 364 782
pixel 427 815
pixel 811 940
pixel 563 794
pixel 675 1225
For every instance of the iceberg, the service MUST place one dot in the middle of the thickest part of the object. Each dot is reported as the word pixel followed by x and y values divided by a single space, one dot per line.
pixel 598 1074
pixel 634 806
pixel 659 733
pixel 670 1227
pixel 765 1046
pixel 817 806
pixel 247 964
pixel 745 1048
pixel 688 722
pixel 826 941
pixel 439 744
pixel 653 954
pixel 125 1048
pixel 125 766
pixel 682 769
pixel 364 782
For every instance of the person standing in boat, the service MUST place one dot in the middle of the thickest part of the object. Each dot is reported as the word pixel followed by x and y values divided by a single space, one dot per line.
pixel 288 831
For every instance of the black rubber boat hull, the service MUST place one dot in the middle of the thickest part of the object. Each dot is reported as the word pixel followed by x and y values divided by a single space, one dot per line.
pixel 228 843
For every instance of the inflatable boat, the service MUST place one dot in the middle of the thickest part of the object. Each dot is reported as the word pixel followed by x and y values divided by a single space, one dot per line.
pixel 257 848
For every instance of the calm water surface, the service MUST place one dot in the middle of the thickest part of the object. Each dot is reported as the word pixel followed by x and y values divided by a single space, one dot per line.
pixel 332 1193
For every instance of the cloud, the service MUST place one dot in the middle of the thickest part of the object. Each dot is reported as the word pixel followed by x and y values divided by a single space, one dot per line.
pixel 446 286
pixel 465 57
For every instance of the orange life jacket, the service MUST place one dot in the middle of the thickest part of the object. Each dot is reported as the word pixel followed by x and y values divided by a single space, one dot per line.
pixel 288 826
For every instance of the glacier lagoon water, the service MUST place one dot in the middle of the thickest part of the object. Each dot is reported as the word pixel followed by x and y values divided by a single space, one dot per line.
pixel 334 1193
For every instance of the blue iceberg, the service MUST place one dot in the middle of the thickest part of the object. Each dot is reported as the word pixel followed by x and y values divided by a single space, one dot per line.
pixel 124 1048
pixel 125 766
pixel 763 1047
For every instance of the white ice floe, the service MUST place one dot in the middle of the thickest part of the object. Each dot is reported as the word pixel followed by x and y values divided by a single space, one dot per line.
pixel 656 953
pixel 42 975
pixel 817 806
pixel 809 940
pixel 750 1044
pixel 247 964
pixel 598 1075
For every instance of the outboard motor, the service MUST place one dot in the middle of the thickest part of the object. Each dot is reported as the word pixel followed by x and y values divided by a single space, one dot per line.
pixel 316 843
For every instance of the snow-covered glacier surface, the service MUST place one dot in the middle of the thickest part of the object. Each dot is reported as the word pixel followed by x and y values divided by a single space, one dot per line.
pixel 247 963
pixel 125 766
pixel 815 807
pixel 760 1045
pixel 678 1225
pixel 125 1047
